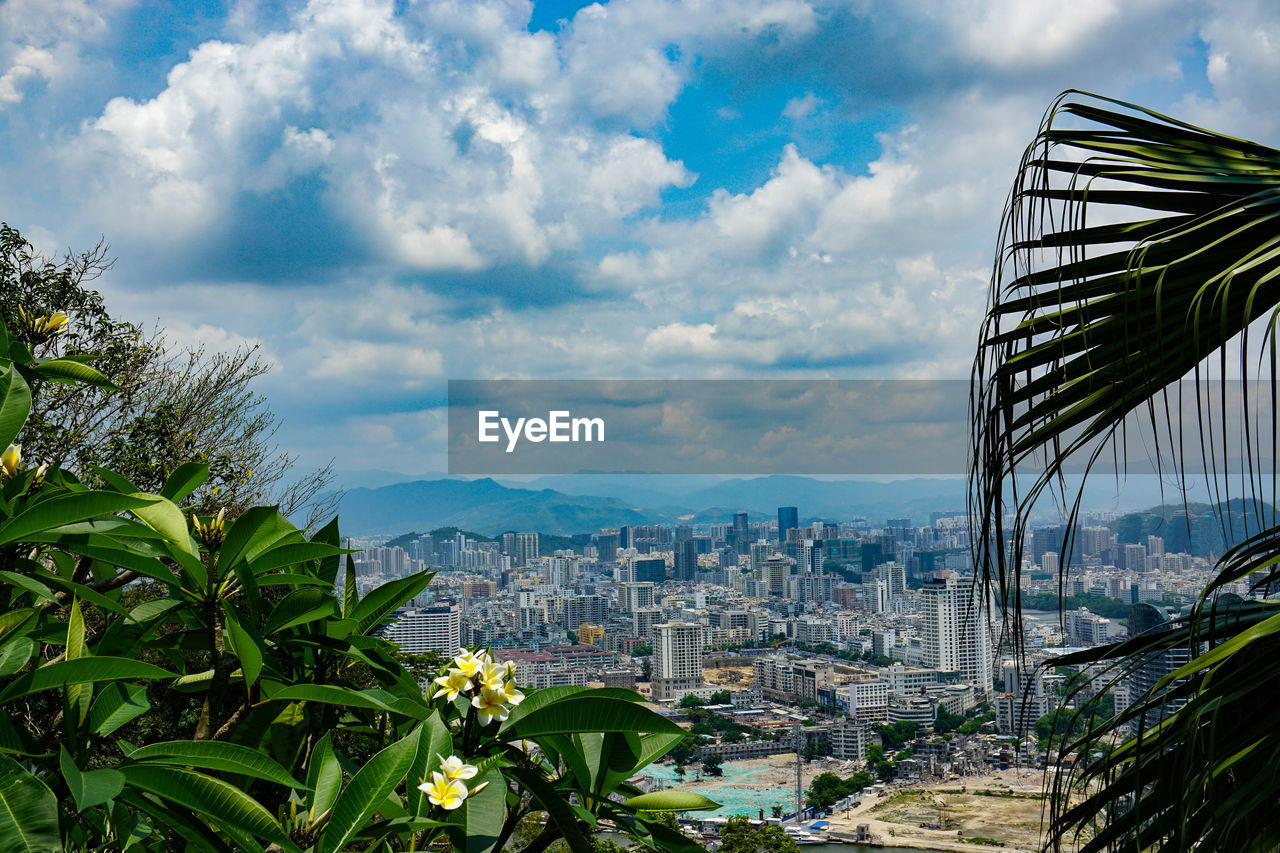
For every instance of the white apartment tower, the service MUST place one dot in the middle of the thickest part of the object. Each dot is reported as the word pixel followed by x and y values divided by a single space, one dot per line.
pixel 956 630
pixel 437 628
pixel 677 659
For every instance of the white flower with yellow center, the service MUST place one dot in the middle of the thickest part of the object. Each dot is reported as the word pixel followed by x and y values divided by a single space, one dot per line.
pixel 493 675
pixel 514 696
pixel 491 704
pixel 470 663
pixel 444 792
pixel 456 770
pixel 454 682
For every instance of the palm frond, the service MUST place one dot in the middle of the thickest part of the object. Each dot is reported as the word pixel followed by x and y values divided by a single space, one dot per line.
pixel 1138 251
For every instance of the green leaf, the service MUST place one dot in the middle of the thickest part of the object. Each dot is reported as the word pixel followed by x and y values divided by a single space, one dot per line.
pixel 671 801
pixel 28 811
pixel 84 670
pixel 591 714
pixel 217 755
pixel 92 788
pixel 482 814
pixel 15 405
pixel 78 694
pixel 556 805
pixel 380 602
pixel 164 517
pixel 324 777
pixel 73 373
pixel 350 595
pixel 66 509
pixel 188 477
pixel 116 705
pixel 246 646
pixel 15 654
pixel 292 553
pixel 360 800
pixel 434 741
pixel 224 804
pixel 300 606
pixel 333 694
pixel 30 584
pixel 116 481
pixel 252 533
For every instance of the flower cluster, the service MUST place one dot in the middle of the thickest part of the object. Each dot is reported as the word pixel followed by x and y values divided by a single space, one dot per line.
pixel 210 533
pixel 40 328
pixel 447 787
pixel 489 684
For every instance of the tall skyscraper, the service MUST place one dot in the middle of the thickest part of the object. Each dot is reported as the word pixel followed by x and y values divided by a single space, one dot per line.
pixel 677 659
pixel 788 519
pixel 685 567
pixel 739 536
pixel 956 630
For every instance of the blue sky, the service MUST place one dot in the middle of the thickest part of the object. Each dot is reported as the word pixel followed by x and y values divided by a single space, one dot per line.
pixel 387 195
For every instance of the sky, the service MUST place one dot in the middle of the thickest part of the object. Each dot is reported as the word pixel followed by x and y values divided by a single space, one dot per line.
pixel 388 195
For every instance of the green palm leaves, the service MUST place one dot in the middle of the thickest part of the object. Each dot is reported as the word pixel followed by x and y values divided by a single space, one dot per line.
pixel 1138 251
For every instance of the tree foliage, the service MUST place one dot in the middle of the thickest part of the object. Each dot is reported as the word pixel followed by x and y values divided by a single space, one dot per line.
pixel 167 406
pixel 171 679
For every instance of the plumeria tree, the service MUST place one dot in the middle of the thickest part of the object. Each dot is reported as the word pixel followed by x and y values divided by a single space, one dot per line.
pixel 173 679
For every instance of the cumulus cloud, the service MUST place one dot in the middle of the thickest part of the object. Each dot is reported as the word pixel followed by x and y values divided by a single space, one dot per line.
pixel 387 195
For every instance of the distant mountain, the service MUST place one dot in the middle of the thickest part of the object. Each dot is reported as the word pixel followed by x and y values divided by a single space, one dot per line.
pixel 482 505
pixel 1194 528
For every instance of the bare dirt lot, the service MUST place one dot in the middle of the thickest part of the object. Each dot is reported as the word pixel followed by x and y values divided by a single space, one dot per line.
pixel 998 811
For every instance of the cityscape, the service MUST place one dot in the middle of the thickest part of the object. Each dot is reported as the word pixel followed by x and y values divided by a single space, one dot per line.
pixel 835 641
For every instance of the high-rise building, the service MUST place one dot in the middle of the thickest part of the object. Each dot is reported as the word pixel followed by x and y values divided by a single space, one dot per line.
pixel 774 572
pixel 677 659
pixel 740 535
pixel 578 609
pixel 809 557
pixel 956 629
pixel 524 548
pixel 788 519
pixel 607 542
pixel 635 596
pixel 760 551
pixel 428 629
pixel 649 570
pixel 685 562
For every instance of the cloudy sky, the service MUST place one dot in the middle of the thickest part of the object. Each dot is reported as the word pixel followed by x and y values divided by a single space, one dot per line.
pixel 387 195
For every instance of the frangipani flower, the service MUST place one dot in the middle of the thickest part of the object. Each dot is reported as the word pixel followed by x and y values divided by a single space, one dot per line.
pixel 514 696
pixel 491 704
pixel 455 770
pixel 453 683
pixel 444 792
pixel 470 662
pixel 11 461
pixel 494 675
